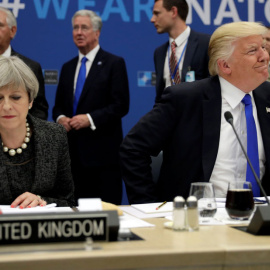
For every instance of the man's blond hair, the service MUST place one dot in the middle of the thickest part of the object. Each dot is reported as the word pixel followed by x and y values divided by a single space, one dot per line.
pixel 222 41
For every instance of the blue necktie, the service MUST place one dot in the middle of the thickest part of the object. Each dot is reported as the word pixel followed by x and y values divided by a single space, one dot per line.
pixel 252 146
pixel 79 84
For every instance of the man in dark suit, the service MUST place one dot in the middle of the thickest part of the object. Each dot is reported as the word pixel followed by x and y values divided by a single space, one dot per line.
pixel 169 16
pixel 94 128
pixel 188 123
pixel 8 29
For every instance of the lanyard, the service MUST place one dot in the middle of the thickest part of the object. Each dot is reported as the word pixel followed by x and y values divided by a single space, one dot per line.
pixel 176 68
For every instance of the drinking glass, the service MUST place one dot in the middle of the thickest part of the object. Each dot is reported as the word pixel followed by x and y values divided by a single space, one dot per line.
pixel 239 200
pixel 204 192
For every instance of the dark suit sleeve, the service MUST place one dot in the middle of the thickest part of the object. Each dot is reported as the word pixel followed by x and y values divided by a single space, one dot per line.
pixel 159 59
pixel 117 104
pixel 61 105
pixel 147 138
pixel 40 105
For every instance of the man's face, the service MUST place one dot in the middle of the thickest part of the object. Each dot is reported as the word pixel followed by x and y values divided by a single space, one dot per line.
pixel 248 65
pixel 162 18
pixel 84 37
pixel 267 40
pixel 6 34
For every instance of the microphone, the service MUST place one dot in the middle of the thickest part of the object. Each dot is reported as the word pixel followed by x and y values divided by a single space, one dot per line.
pixel 229 118
pixel 260 223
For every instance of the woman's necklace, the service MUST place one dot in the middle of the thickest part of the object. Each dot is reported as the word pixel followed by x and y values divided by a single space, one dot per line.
pixel 13 152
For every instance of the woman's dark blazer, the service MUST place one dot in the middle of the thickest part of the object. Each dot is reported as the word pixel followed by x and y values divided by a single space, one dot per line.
pixel 53 178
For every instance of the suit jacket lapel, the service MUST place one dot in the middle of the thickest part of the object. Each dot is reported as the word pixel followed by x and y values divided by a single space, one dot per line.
pixel 94 72
pixel 161 58
pixel 211 126
pixel 262 102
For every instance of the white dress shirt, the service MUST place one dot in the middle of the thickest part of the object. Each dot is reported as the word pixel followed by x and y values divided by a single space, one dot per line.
pixel 90 56
pixel 180 41
pixel 231 163
pixel 7 52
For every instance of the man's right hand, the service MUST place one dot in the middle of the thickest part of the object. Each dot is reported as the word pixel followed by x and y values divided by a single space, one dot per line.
pixel 64 121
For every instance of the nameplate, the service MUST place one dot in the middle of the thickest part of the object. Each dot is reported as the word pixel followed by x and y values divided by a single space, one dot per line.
pixel 60 227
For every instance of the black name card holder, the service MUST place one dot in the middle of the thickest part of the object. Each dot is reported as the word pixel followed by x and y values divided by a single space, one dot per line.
pixel 58 227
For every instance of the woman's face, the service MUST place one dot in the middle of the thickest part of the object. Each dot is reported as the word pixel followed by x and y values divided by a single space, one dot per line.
pixel 14 106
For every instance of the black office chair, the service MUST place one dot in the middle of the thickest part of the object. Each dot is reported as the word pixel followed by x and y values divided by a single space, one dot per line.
pixel 156 165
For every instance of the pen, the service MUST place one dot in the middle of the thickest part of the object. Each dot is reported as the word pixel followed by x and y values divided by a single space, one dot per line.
pixel 161 205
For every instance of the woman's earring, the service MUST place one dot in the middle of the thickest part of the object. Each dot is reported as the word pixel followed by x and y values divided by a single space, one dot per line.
pixel 29 107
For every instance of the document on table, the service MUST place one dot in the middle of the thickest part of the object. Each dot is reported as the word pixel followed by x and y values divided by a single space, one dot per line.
pixel 128 222
pixel 220 218
pixel 153 208
pixel 134 211
pixel 148 210
pixel 49 208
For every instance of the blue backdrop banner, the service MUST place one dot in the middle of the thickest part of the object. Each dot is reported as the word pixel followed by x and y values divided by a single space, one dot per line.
pixel 45 35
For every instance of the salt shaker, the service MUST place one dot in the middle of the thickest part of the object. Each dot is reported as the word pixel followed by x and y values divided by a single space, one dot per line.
pixel 179 215
pixel 192 214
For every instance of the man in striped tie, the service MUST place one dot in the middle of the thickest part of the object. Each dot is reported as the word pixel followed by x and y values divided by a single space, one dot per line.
pixel 184 57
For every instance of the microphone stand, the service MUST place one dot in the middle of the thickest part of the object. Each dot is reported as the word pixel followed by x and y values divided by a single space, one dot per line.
pixel 253 171
pixel 260 222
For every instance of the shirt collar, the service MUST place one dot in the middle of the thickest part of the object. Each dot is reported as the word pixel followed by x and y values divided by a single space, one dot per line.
pixel 7 52
pixel 91 55
pixel 231 93
pixel 181 38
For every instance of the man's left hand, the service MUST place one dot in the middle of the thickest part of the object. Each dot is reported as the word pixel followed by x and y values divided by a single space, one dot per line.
pixel 79 121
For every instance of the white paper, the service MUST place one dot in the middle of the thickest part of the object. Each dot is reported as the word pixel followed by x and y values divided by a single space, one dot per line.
pixel 212 221
pixel 127 222
pixel 49 208
pixel 151 208
pixel 89 204
pixel 220 218
pixel 139 214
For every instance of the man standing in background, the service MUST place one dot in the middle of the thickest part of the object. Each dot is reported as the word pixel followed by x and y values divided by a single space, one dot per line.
pixel 184 57
pixel 8 29
pixel 92 96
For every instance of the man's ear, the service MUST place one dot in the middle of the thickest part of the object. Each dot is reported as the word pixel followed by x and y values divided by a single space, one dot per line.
pixel 13 31
pixel 97 34
pixel 224 66
pixel 174 11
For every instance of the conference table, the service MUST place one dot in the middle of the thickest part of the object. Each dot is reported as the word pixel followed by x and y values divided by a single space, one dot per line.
pixel 210 248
